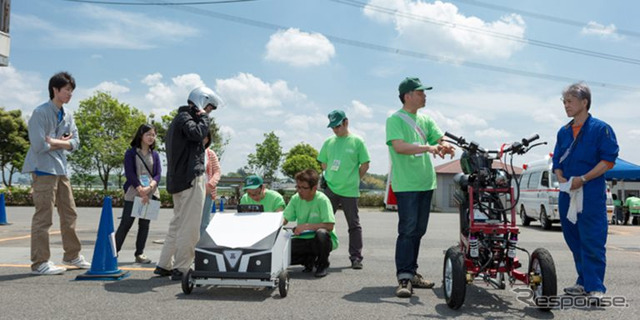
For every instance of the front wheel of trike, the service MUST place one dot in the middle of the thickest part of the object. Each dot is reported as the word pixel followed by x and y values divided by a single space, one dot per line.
pixel 542 278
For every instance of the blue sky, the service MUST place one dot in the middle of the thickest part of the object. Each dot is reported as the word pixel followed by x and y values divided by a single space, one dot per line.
pixel 283 65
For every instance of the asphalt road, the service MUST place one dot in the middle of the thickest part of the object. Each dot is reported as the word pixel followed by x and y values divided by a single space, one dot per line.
pixel 343 294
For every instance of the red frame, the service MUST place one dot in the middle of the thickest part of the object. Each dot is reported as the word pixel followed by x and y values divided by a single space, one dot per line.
pixel 486 228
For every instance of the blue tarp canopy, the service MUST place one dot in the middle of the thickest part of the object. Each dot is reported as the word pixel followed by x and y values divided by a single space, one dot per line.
pixel 623 171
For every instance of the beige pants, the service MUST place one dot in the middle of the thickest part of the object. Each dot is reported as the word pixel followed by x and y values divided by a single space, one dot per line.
pixel 184 228
pixel 47 192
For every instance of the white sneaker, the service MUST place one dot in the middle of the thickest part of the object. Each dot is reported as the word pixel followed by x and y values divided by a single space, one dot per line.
pixel 78 262
pixel 595 298
pixel 48 268
pixel 576 290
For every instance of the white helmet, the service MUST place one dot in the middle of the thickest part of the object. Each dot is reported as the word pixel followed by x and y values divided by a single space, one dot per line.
pixel 201 97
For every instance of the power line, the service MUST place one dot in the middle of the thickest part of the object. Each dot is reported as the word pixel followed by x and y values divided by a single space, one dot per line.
pixel 548 45
pixel 129 3
pixel 397 51
pixel 540 16
pixel 403 52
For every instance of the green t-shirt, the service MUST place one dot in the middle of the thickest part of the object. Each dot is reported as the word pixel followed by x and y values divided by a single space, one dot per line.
pixel 343 157
pixel 318 210
pixel 412 172
pixel 634 204
pixel 272 201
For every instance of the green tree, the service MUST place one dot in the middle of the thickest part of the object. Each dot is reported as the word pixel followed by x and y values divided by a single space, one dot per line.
pixel 267 158
pixel 105 127
pixel 302 156
pixel 240 173
pixel 14 143
pixel 219 141
pixel 83 179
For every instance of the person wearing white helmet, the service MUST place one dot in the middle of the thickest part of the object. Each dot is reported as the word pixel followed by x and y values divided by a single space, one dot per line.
pixel 185 180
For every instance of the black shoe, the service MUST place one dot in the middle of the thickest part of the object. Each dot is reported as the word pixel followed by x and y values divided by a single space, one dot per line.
pixel 356 264
pixel 162 272
pixel 176 275
pixel 321 272
pixel 307 268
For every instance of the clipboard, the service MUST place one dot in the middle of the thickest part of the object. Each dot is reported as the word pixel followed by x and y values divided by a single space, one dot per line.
pixel 147 211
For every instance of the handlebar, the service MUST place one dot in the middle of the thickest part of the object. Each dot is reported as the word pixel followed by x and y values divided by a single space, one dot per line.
pixel 516 147
pixel 453 137
pixel 534 137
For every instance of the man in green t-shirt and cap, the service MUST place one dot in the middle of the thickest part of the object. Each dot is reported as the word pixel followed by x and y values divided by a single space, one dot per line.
pixel 257 193
pixel 633 205
pixel 410 137
pixel 345 160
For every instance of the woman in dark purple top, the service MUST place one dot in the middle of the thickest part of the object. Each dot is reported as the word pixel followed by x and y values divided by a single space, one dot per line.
pixel 143 170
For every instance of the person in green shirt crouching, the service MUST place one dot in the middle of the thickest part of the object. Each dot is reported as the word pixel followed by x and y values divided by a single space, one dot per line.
pixel 257 193
pixel 314 235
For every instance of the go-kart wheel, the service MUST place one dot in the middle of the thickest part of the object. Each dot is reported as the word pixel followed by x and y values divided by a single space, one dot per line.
pixel 542 277
pixel 187 282
pixel 283 283
pixel 454 278
pixel 523 217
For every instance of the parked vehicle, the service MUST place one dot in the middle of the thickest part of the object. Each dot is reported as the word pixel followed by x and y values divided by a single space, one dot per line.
pixel 539 189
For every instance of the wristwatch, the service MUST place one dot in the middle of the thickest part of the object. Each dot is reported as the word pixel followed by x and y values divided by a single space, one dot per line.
pixel 583 179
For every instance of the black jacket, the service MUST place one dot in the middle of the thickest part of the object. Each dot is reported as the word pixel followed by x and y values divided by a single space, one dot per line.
pixel 185 152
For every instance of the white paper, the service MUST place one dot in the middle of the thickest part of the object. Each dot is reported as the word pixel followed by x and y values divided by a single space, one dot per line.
pixel 147 211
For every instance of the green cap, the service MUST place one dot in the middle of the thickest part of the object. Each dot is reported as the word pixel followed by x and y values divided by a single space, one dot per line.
pixel 335 118
pixel 411 84
pixel 252 182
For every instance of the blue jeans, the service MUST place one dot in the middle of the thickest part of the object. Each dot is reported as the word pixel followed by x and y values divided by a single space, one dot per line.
pixel 413 217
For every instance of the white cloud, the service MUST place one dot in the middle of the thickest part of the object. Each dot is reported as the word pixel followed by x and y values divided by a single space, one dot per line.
pixel 110 87
pixel 359 109
pixel 301 123
pixel 594 28
pixel 634 134
pixel 299 49
pixel 440 29
pixel 21 90
pixel 471 120
pixel 152 79
pixel 106 28
pixel 167 96
pixel 492 133
pixel 246 91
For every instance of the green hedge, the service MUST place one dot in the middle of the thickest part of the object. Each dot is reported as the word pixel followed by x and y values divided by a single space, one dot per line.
pixel 83 197
pixel 93 198
pixel 371 200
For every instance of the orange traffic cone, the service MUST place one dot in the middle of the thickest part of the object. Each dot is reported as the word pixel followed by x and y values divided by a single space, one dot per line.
pixel 104 265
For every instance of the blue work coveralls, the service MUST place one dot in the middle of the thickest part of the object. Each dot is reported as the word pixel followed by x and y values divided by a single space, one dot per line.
pixel 595 142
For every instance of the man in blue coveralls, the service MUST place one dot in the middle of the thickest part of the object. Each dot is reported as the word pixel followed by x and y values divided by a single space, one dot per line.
pixel 585 149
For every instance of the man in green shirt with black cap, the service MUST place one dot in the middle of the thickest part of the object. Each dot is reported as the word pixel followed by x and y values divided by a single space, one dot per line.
pixel 257 193
pixel 410 137
pixel 345 159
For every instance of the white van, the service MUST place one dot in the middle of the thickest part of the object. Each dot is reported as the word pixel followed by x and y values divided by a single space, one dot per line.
pixel 539 194
pixel 539 189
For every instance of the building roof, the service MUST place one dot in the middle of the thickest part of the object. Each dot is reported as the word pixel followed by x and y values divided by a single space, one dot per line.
pixel 453 167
